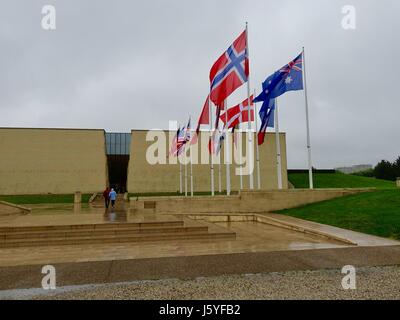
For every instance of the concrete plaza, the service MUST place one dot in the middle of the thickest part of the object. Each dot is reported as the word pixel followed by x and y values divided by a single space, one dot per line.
pixel 172 246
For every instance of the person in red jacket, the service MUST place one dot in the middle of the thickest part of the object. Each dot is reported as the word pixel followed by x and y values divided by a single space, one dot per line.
pixel 106 196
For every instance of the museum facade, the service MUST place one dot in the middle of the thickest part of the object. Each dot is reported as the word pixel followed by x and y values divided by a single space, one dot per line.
pixel 63 161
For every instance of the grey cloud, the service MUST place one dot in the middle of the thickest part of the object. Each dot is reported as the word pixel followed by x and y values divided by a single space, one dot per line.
pixel 137 64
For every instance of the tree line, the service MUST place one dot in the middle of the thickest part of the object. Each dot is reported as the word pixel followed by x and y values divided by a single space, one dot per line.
pixel 383 170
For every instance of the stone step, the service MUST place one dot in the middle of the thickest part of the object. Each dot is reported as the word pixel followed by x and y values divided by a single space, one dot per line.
pixel 9 243
pixel 91 227
pixel 49 234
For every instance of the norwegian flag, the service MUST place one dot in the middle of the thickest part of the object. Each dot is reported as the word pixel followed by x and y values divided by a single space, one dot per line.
pixel 230 71
pixel 239 113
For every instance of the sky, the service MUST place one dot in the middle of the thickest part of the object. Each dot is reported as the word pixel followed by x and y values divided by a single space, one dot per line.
pixel 126 64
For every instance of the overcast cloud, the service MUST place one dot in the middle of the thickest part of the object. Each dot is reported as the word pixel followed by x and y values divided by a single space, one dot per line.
pixel 122 65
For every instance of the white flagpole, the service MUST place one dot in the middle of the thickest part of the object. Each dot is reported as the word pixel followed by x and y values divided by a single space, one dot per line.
pixel 240 144
pixel 227 150
pixel 186 173
pixel 180 165
pixel 257 147
pixel 251 180
pixel 186 177
pixel 310 175
pixel 219 161
pixel 191 168
pixel 180 177
pixel 219 177
pixel 211 146
pixel 219 174
pixel 278 146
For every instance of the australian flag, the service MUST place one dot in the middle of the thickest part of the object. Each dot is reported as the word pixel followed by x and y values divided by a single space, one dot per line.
pixel 288 78
pixel 267 119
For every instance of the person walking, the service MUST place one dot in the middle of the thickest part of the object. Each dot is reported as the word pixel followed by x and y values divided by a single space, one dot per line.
pixel 113 197
pixel 106 196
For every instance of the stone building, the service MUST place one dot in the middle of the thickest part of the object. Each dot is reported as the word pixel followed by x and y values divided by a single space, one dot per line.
pixel 62 161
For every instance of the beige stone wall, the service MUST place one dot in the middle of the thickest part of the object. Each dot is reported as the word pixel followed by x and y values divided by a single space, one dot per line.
pixel 144 177
pixel 38 161
pixel 246 202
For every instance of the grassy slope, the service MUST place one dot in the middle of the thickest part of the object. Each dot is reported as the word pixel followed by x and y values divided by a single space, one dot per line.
pixel 375 212
pixel 37 199
pixel 339 180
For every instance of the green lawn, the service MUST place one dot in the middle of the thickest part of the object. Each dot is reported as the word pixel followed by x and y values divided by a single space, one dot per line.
pixel 339 180
pixel 47 198
pixel 376 213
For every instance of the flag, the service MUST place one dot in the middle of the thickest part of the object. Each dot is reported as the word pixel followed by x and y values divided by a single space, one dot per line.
pixel 182 136
pixel 217 114
pixel 187 132
pixel 239 113
pixel 234 136
pixel 230 71
pixel 288 78
pixel 203 119
pixel 267 119
pixel 177 142
pixel 204 116
pixel 216 140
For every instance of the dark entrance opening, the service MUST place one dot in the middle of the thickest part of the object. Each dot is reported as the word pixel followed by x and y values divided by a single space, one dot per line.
pixel 117 172
pixel 118 150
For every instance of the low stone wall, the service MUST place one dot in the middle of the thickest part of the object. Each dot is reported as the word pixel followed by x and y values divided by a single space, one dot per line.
pixel 7 208
pixel 245 202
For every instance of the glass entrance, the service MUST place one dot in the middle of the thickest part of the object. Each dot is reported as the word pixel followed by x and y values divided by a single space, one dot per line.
pixel 118 150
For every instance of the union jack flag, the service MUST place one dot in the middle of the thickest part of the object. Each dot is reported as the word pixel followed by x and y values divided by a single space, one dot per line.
pixel 295 64
pixel 230 71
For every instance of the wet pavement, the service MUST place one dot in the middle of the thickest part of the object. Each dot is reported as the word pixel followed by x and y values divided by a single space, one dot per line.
pixel 251 236
pixel 258 247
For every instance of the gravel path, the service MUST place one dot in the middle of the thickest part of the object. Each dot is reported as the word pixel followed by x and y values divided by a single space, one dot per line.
pixel 371 282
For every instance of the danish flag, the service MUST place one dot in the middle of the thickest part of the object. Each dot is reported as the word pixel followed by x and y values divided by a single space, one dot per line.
pixel 230 71
pixel 239 113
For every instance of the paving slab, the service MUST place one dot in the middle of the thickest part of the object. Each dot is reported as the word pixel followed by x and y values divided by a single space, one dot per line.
pixel 184 267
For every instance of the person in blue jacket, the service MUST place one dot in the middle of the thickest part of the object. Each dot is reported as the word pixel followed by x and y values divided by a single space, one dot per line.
pixel 113 197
